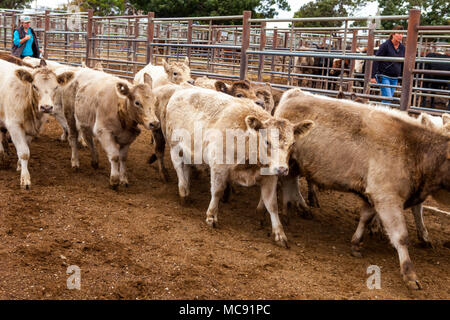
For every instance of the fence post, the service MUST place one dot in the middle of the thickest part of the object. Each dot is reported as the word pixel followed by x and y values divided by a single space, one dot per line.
pixel 352 62
pixel 262 45
pixel 245 44
pixel 189 39
pixel 46 28
pixel 13 25
pixel 410 59
pixel 274 47
pixel 89 36
pixel 150 32
pixel 368 71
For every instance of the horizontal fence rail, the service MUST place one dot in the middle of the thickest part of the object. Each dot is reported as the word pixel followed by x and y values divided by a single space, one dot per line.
pixel 248 49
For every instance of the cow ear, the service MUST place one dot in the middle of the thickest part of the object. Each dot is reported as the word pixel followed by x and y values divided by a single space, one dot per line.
pixel 426 121
pixel 253 123
pixel 269 86
pixel 43 63
pixel 122 89
pixel 166 66
pixel 24 75
pixel 340 95
pixel 148 79
pixel 186 61
pixel 445 118
pixel 221 86
pixel 98 66
pixel 241 84
pixel 65 78
pixel 303 127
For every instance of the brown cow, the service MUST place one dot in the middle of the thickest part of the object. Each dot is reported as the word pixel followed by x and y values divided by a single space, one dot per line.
pixel 111 110
pixel 390 161
pixel 27 97
pixel 221 116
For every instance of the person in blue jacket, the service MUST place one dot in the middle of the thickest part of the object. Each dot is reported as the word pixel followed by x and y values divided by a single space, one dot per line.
pixel 385 72
pixel 25 41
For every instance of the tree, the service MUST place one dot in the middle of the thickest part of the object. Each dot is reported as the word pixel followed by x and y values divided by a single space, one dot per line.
pixel 327 8
pixel 14 4
pixel 201 8
pixel 433 12
pixel 100 7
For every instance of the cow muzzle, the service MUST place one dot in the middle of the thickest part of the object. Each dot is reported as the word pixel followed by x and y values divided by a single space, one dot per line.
pixel 282 171
pixel 154 125
pixel 46 108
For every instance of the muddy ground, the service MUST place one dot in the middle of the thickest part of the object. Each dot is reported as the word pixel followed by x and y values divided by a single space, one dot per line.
pixel 140 243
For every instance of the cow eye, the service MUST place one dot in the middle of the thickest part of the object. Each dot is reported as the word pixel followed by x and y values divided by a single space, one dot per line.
pixel 137 103
pixel 175 73
pixel 34 87
pixel 239 95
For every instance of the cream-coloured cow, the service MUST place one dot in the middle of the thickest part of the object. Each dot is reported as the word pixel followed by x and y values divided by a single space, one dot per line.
pixel 170 72
pixel 218 116
pixel 28 96
pixel 111 110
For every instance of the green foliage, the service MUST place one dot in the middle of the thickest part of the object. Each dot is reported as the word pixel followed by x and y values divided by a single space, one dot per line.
pixel 433 12
pixel 101 7
pixel 327 8
pixel 201 8
pixel 14 4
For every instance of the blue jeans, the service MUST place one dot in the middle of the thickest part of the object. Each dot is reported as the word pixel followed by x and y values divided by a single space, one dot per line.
pixel 386 91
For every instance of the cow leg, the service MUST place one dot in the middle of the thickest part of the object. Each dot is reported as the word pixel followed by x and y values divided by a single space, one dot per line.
pixel 63 123
pixel 123 167
pixel 160 146
pixel 292 197
pixel 23 153
pixel 89 139
pixel 393 221
pixel 219 179
pixel 112 150
pixel 4 148
pixel 367 213
pixel 269 196
pixel 73 139
pixel 183 173
pixel 313 200
pixel 422 232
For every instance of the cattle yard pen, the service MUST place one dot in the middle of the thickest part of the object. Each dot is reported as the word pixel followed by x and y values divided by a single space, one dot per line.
pixel 239 47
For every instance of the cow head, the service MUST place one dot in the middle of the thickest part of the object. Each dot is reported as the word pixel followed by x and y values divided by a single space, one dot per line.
pixel 240 89
pixel 141 102
pixel 277 138
pixel 264 92
pixel 178 72
pixel 44 85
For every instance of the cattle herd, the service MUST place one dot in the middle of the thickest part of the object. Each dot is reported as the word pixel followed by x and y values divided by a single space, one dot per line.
pixel 391 160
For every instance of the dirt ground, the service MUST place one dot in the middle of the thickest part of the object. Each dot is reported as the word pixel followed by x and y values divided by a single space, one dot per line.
pixel 140 243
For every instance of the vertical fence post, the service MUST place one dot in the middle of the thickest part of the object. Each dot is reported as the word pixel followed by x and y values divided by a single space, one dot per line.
pixel 46 28
pixel 410 59
pixel 352 62
pixel 245 44
pixel 189 39
pixel 262 45
pixel 89 36
pixel 274 47
pixel 370 45
pixel 150 32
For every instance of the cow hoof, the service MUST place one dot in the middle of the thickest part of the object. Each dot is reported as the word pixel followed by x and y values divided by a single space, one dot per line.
pixel 356 253
pixel 115 187
pixel 282 243
pixel 185 201
pixel 25 186
pixel 313 202
pixel 152 159
pixel 425 244
pixel 413 285
pixel 210 221
pixel 94 165
pixel 124 183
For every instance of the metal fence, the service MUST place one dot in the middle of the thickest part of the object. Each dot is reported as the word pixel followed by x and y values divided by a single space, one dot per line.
pixel 247 48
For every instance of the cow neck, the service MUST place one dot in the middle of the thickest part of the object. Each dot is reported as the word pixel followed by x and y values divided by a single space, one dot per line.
pixel 125 121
